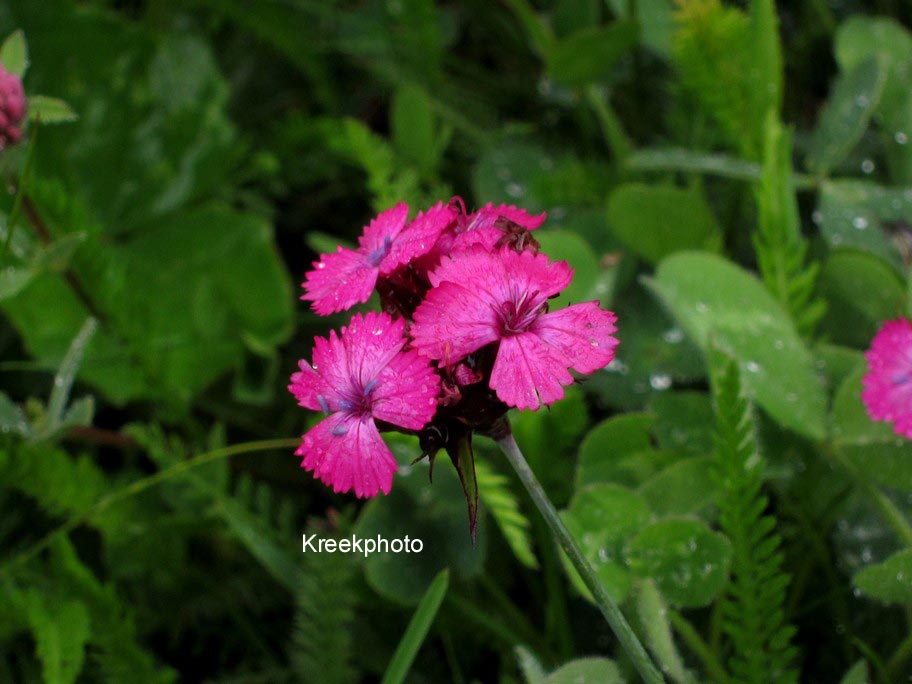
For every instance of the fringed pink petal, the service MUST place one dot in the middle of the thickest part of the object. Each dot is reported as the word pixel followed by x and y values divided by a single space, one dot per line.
pixel 339 281
pixel 582 333
pixel 528 373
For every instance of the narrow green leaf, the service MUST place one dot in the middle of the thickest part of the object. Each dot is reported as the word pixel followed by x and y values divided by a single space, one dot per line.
pixel 66 374
pixel 857 675
pixel 417 630
pixel 653 614
pixel 14 54
pixel 693 161
pixel 530 667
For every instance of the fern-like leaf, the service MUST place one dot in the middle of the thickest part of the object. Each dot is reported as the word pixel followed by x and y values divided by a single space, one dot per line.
pixel 752 611
pixel 325 601
pixel 501 502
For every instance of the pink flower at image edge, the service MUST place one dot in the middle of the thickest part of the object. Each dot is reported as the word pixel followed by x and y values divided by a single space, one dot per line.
pixel 359 377
pixel 12 108
pixel 887 392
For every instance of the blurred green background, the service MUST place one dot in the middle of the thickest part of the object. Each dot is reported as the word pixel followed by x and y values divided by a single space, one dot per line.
pixel 150 315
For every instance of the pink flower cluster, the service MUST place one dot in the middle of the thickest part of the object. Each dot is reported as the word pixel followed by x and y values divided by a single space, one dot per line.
pixel 465 333
pixel 12 108
pixel 887 390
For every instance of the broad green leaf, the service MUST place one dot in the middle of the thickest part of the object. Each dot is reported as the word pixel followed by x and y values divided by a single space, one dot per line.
pixel 890 581
pixel 857 675
pixel 601 518
pixel 590 54
pixel 14 54
pixel 434 513
pixel 653 615
pixel 837 363
pixel 608 442
pixel 586 671
pixel 862 38
pixel 718 303
pixel 654 354
pixel 684 421
pixel 850 213
pixel 686 486
pixel 688 561
pixel 862 290
pixel 884 456
pixel 654 221
pixel 417 630
pixel 848 111
pixel 50 110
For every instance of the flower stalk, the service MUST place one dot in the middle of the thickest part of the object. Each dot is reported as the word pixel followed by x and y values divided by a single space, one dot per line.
pixel 608 607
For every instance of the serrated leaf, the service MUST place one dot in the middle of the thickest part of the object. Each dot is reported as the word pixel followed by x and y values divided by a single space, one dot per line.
pixel 61 629
pixel 500 501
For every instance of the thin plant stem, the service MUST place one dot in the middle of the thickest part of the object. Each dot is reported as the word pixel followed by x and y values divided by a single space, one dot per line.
pixel 139 486
pixel 902 654
pixel 13 217
pixel 885 506
pixel 698 646
pixel 610 610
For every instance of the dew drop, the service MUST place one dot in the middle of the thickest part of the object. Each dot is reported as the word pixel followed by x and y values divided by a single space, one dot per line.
pixel 660 381
pixel 515 190
pixel 867 166
pixel 900 138
pixel 752 366
pixel 859 223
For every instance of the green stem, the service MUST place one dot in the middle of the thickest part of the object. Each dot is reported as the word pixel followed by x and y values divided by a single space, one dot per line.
pixel 20 191
pixel 140 486
pixel 606 604
pixel 612 130
pixel 699 647
pixel 902 653
pixel 891 514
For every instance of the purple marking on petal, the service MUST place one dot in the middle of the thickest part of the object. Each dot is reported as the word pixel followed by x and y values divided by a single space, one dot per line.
pixel 378 254
pixel 902 378
pixel 369 387
pixel 339 430
pixel 323 405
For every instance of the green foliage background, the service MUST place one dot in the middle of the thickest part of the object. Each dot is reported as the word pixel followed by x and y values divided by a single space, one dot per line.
pixel 733 179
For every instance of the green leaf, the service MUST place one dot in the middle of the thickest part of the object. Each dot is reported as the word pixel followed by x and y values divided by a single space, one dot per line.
pixel 413 127
pixel 590 54
pixel 417 630
pixel 586 671
pixel 655 221
pixel 890 581
pixel 685 486
pixel 850 213
pixel 61 629
pixel 66 374
pixel 653 616
pixel 532 670
pixel 500 501
pixel 688 561
pixel 683 421
pixel 601 518
pixel 845 118
pixel 857 675
pixel 12 417
pixel 433 513
pixel 14 54
pixel 717 302
pixel 602 450
pixel 862 290
pixel 50 110
pixel 871 445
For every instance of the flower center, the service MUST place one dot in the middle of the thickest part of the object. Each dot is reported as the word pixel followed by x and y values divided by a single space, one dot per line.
pixel 516 315
pixel 358 399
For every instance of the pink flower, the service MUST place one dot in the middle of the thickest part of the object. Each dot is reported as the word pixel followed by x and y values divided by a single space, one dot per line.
pixel 347 277
pixel 12 108
pixel 481 297
pixel 888 384
pixel 357 378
